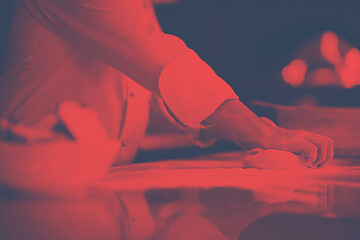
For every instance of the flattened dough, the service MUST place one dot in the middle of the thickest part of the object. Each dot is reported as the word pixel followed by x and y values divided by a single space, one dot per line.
pixel 273 159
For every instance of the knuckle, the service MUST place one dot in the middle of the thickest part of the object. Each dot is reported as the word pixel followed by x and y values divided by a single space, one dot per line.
pixel 300 135
pixel 310 151
pixel 328 140
pixel 313 148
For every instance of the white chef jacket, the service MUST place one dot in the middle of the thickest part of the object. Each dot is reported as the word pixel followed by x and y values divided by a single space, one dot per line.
pixel 109 55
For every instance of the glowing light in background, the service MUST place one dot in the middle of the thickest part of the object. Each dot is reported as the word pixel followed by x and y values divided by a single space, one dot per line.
pixel 344 73
pixel 294 73
pixel 323 77
pixel 346 68
pixel 349 70
pixel 329 47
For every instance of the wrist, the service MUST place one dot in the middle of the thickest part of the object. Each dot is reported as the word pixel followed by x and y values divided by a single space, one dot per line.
pixel 265 137
pixel 258 135
pixel 237 123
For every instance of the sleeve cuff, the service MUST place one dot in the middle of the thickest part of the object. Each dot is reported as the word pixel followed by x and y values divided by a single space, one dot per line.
pixel 193 134
pixel 191 90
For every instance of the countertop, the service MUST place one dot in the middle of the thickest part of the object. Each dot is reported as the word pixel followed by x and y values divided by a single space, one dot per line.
pixel 206 197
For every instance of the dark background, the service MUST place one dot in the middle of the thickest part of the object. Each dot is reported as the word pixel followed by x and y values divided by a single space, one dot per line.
pixel 248 42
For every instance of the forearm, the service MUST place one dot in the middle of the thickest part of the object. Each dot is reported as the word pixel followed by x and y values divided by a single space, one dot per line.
pixel 234 121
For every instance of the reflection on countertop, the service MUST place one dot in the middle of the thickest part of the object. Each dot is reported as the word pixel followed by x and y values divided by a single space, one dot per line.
pixel 210 197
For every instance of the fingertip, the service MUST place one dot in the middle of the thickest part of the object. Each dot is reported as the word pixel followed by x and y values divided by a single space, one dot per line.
pixel 323 145
pixel 309 154
pixel 330 152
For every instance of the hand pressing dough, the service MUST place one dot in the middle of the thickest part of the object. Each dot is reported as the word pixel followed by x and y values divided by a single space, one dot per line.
pixel 273 159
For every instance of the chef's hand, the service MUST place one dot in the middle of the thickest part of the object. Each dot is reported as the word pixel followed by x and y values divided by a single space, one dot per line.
pixel 234 121
pixel 314 149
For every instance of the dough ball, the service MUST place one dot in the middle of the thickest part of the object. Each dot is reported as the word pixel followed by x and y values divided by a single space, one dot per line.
pixel 273 159
pixel 193 225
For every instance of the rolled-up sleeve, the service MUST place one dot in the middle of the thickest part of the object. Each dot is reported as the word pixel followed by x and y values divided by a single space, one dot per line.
pixel 191 90
pixel 126 35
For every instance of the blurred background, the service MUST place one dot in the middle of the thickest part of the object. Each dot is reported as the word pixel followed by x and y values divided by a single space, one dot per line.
pixel 278 51
pixel 250 42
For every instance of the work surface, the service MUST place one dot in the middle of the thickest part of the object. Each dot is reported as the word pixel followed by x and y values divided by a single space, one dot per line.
pixel 208 197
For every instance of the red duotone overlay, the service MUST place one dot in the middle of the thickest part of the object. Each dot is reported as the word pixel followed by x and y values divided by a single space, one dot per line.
pixel 75 99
